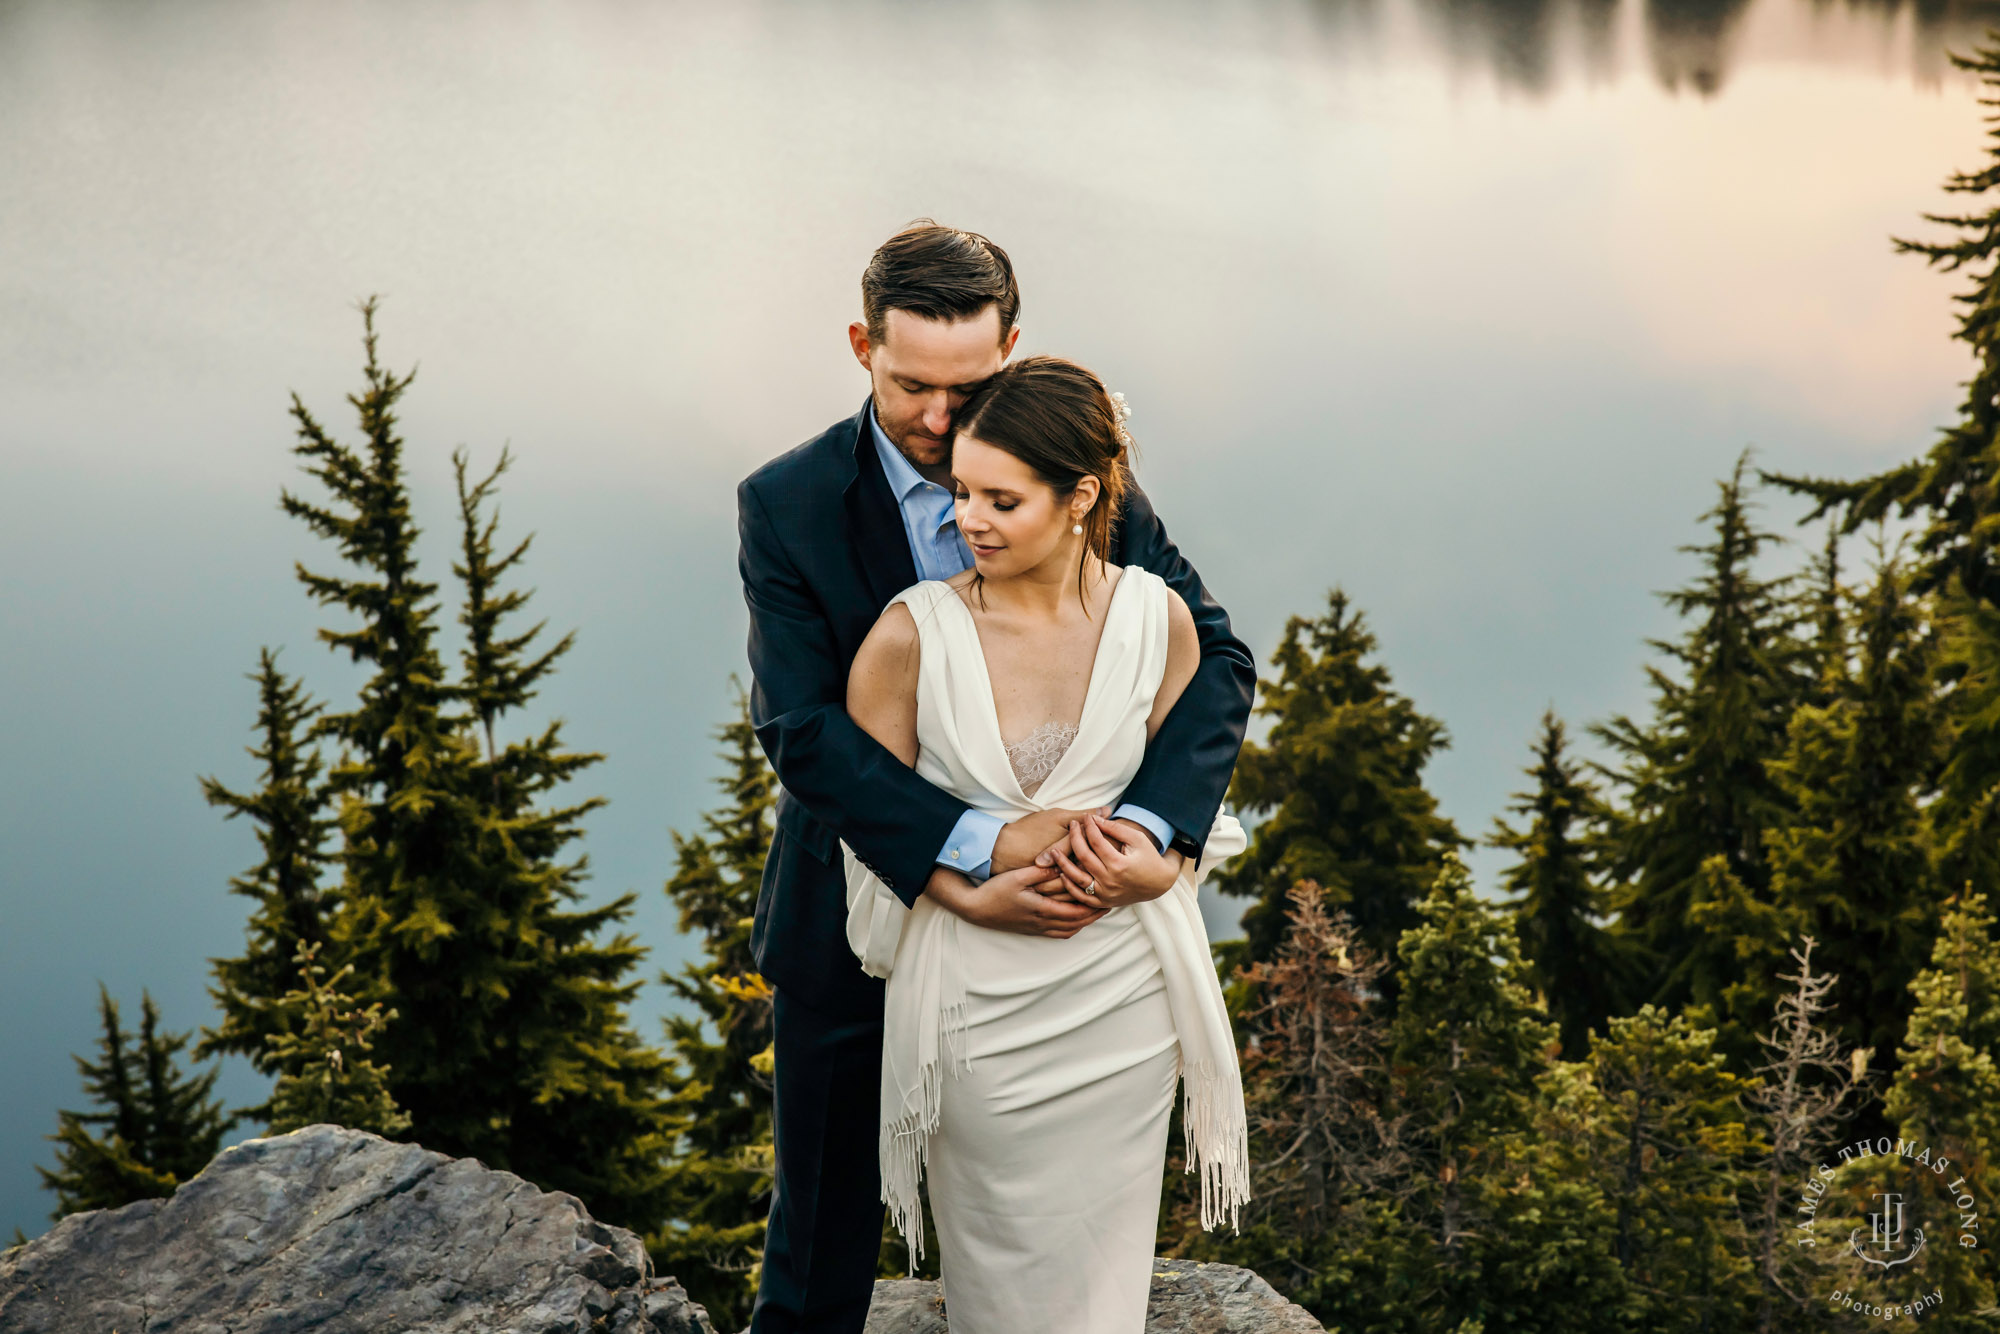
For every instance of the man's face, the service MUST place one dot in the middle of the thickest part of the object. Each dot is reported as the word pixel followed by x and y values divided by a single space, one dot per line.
pixel 923 371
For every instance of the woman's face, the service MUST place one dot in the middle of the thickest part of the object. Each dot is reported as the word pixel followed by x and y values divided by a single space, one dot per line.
pixel 1012 519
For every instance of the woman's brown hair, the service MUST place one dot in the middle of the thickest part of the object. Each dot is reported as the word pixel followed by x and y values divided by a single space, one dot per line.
pixel 1057 417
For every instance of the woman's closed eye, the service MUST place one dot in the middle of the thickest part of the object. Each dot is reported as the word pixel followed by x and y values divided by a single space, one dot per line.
pixel 961 496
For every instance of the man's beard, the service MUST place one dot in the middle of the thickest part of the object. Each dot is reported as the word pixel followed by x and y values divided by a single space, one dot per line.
pixel 911 436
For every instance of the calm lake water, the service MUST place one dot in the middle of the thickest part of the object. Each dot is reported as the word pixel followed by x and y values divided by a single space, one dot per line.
pixel 1460 304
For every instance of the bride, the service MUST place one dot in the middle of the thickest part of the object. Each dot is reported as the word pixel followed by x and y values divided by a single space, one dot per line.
pixel 1033 1076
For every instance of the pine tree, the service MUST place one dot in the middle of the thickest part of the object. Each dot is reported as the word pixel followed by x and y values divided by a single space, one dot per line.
pixel 289 810
pixel 1315 1072
pixel 1650 1119
pixel 1694 777
pixel 1325 1148
pixel 510 1041
pixel 1965 820
pixel 1945 1102
pixel 159 1126
pixel 1825 610
pixel 1572 960
pixel 721 1171
pixel 1955 489
pixel 321 1054
pixel 1339 782
pixel 1855 862
pixel 1744 938
pixel 1493 1231
pixel 589 1116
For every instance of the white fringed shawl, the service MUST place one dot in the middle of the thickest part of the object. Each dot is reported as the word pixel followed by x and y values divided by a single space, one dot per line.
pixel 960 750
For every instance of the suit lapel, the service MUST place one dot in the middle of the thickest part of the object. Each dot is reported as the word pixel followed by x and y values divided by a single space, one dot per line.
pixel 874 524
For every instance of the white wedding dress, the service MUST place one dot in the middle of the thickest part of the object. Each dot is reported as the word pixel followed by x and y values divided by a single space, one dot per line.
pixel 1034 1076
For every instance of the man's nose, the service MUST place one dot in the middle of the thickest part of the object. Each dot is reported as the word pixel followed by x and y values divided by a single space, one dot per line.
pixel 937 415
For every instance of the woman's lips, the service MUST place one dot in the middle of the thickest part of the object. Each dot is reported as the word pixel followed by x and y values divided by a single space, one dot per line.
pixel 979 550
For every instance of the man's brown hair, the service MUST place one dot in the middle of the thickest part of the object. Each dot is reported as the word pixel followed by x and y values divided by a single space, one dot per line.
pixel 939 273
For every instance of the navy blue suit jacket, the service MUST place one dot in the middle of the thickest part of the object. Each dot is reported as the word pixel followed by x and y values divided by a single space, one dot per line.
pixel 822 552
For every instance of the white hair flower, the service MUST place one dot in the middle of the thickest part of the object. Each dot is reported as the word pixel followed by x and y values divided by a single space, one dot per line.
pixel 1121 412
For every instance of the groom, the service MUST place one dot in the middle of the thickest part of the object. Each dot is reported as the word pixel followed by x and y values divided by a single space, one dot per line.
pixel 830 531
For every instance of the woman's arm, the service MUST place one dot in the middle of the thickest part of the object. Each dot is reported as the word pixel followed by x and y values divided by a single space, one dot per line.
pixel 882 683
pixel 1183 657
pixel 882 699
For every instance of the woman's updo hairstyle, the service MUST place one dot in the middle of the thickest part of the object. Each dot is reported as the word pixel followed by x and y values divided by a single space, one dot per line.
pixel 1058 418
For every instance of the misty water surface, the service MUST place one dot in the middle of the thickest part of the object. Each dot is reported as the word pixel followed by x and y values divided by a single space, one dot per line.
pixel 1460 304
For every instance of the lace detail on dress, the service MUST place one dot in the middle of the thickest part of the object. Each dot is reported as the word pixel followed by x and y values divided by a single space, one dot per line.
pixel 1035 756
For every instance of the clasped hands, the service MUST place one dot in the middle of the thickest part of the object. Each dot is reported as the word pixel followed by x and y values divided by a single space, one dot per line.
pixel 1055 872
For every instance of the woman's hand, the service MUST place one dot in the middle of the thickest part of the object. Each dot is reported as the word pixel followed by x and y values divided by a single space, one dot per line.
pixel 1028 901
pixel 1112 863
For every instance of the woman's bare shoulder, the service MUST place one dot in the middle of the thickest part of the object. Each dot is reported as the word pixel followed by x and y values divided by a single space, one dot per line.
pixel 893 637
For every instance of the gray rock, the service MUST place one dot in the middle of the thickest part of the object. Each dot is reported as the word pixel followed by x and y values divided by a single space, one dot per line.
pixel 332 1230
pixel 1188 1298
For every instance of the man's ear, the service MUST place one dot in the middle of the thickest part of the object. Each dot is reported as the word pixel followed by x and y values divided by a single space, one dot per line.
pixel 1007 344
pixel 857 338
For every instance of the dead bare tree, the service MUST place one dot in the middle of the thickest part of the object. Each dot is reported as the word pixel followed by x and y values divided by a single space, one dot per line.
pixel 1314 1071
pixel 1810 1085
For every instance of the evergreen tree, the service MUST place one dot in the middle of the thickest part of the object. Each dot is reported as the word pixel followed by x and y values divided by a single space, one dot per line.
pixel 1651 1120
pixel 1495 1231
pixel 1955 490
pixel 510 1041
pixel 1339 782
pixel 289 809
pixel 721 1171
pixel 1945 1103
pixel 590 1117
pixel 1854 862
pixel 1694 776
pixel 1572 960
pixel 159 1126
pixel 1745 938
pixel 1965 820
pixel 321 1053
pixel 1825 610
pixel 1325 1149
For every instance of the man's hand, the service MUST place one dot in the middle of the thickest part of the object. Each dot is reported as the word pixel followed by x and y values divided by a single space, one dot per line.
pixel 1023 840
pixel 1028 900
pixel 1115 860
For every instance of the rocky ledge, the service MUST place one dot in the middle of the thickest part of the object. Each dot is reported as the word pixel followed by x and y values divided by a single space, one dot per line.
pixel 1188 1298
pixel 335 1231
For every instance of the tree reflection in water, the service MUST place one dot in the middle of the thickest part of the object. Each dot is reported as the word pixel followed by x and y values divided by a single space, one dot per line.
pixel 1534 46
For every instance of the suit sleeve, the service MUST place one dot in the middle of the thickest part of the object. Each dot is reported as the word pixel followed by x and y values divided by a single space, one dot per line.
pixel 1185 774
pixel 894 820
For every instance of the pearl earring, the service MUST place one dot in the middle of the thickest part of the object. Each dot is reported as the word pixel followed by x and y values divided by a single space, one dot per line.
pixel 1076 528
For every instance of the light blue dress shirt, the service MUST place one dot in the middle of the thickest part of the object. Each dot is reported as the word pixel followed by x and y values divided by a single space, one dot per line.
pixel 931 525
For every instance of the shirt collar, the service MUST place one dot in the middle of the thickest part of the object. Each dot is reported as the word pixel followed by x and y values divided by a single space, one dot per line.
pixel 903 476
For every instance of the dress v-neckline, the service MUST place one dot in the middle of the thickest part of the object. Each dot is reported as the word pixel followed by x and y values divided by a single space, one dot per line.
pixel 992 712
